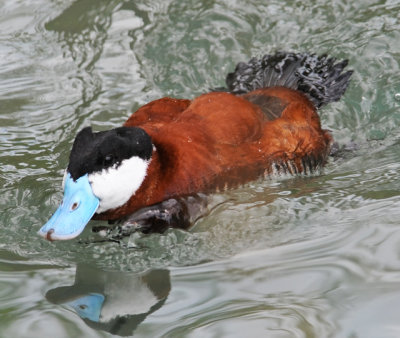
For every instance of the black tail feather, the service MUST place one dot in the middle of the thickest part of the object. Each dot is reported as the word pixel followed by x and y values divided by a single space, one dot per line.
pixel 318 77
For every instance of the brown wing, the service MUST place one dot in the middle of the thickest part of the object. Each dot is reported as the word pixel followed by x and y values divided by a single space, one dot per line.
pixel 295 142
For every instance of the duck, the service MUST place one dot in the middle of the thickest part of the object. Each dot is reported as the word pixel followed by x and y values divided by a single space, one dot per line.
pixel 264 123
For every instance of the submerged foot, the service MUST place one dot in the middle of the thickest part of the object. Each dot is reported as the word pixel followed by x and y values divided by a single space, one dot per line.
pixel 172 213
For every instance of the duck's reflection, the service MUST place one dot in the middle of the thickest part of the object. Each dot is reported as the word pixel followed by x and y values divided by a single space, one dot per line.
pixel 116 302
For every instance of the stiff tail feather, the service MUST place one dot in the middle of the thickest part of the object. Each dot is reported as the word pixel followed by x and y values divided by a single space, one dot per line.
pixel 318 77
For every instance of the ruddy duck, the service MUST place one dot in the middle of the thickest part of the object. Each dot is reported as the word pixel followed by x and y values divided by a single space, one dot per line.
pixel 264 122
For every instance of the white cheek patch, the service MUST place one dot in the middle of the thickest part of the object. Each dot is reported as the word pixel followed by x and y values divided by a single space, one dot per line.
pixel 115 186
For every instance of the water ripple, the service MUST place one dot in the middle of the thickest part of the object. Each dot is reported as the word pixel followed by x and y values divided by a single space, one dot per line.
pixel 305 257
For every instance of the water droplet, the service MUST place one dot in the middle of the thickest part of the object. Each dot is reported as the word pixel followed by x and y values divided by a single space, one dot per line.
pixel 397 96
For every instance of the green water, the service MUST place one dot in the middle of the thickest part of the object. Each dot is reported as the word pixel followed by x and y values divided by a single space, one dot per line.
pixel 302 257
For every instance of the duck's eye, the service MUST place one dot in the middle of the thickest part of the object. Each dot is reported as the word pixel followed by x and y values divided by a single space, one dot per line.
pixel 108 160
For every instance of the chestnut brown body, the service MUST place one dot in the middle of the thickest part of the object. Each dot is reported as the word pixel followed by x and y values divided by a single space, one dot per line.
pixel 221 140
pixel 157 170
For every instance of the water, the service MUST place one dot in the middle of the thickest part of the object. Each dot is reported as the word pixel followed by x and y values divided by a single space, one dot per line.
pixel 302 257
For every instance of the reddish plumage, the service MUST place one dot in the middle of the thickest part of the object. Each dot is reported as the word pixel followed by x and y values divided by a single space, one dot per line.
pixel 221 139
pixel 152 173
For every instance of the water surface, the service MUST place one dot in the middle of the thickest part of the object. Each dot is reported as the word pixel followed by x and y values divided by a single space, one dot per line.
pixel 290 257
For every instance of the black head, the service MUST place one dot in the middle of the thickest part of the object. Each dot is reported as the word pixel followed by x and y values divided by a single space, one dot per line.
pixel 93 152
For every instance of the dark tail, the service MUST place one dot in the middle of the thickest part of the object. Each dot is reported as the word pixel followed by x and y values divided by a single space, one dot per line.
pixel 318 77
